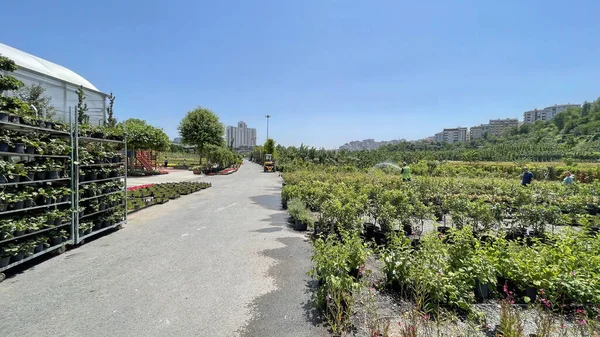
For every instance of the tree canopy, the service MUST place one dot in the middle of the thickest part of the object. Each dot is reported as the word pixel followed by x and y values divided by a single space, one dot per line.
pixel 143 136
pixel 34 94
pixel 201 127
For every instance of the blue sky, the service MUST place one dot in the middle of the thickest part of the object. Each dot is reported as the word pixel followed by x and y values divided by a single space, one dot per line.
pixel 327 71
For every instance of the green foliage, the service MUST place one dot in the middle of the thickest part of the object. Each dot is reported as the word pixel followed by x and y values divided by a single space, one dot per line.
pixel 337 264
pixel 269 147
pixel 201 127
pixel 82 108
pixel 143 136
pixel 111 120
pixel 34 94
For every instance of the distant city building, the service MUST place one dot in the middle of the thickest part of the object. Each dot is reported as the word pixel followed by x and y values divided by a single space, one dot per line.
pixel 499 126
pixel 439 137
pixel 478 132
pixel 546 114
pixel 241 136
pixel 454 135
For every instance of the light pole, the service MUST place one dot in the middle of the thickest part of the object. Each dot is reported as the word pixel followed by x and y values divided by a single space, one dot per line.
pixel 268 116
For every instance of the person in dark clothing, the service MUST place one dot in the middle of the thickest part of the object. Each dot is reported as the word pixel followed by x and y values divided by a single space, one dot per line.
pixel 527 177
pixel 166 162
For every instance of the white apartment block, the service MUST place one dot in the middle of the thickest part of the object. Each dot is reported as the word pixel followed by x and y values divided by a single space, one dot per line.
pixel 241 136
pixel 546 114
pixel 454 135
pixel 499 126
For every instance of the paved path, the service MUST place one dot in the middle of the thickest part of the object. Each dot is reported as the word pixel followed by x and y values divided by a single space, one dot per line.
pixel 220 262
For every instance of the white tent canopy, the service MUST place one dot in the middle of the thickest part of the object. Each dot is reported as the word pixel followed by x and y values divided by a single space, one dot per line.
pixel 60 83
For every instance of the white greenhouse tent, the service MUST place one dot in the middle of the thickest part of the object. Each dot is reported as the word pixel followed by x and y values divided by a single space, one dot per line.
pixel 61 84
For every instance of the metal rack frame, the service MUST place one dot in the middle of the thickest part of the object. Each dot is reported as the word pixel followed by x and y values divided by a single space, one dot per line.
pixel 77 184
pixel 60 248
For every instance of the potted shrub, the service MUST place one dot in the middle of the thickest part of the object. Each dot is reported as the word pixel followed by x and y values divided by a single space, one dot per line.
pixel 6 142
pixel 13 252
pixel 18 145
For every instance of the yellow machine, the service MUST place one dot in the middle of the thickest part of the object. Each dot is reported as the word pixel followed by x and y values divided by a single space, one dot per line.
pixel 269 163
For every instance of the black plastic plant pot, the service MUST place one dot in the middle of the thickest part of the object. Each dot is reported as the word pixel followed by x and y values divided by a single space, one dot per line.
pixel 101 175
pixel 81 232
pixel 443 229
pixel 482 291
pixel 4 147
pixel 41 124
pixel 14 119
pixel 105 223
pixel 3 207
pixel 27 203
pixel 17 258
pixel 66 198
pixel 18 233
pixel 3 117
pixel 98 226
pixel 91 176
pixel 49 125
pixel 4 261
pixel 88 231
pixel 531 293
pixel 30 176
pixel 40 175
pixel 52 175
pixel 19 148
pixel 113 174
pixel 116 159
pixel 58 221
pixel 30 150
pixel 49 221
pixel 14 179
pixel 38 248
pixel 17 205
pixel 300 226
pixel 98 135
pixel 101 207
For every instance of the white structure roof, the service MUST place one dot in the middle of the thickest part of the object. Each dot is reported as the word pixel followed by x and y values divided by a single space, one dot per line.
pixel 25 60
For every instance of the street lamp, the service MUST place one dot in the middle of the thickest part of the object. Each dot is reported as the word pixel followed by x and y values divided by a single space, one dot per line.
pixel 268 116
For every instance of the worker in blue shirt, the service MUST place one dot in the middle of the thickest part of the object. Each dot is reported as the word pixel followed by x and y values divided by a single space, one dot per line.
pixel 527 177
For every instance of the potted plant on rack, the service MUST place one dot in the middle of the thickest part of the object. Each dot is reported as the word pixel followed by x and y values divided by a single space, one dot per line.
pixel 6 142
pixel 19 144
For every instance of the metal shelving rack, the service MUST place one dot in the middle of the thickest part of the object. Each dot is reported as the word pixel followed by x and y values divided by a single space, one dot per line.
pixel 77 184
pixel 56 248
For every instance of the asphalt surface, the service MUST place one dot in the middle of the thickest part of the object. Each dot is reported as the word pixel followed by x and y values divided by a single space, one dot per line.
pixel 219 262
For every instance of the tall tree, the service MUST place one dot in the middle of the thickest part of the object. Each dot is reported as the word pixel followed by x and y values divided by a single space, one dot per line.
pixel 143 136
pixel 34 95
pixel 269 147
pixel 201 127
pixel 82 108
pixel 111 120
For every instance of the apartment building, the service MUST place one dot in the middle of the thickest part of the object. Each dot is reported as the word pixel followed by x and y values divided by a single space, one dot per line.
pixel 454 135
pixel 478 132
pixel 547 113
pixel 241 136
pixel 499 126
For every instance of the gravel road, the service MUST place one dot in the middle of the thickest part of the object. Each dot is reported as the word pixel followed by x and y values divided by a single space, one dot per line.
pixel 219 262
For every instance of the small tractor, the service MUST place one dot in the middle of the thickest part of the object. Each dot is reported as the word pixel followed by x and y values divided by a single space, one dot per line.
pixel 269 163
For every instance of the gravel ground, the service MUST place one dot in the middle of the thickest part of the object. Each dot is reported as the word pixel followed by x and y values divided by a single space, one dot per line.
pixel 219 262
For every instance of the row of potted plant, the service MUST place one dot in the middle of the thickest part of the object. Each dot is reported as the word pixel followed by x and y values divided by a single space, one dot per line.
pixel 101 221
pixel 25 118
pixel 102 132
pixel 39 169
pixel 33 143
pixel 91 174
pixel 147 195
pixel 16 251
pixel 457 274
pixel 14 227
pixel 28 196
